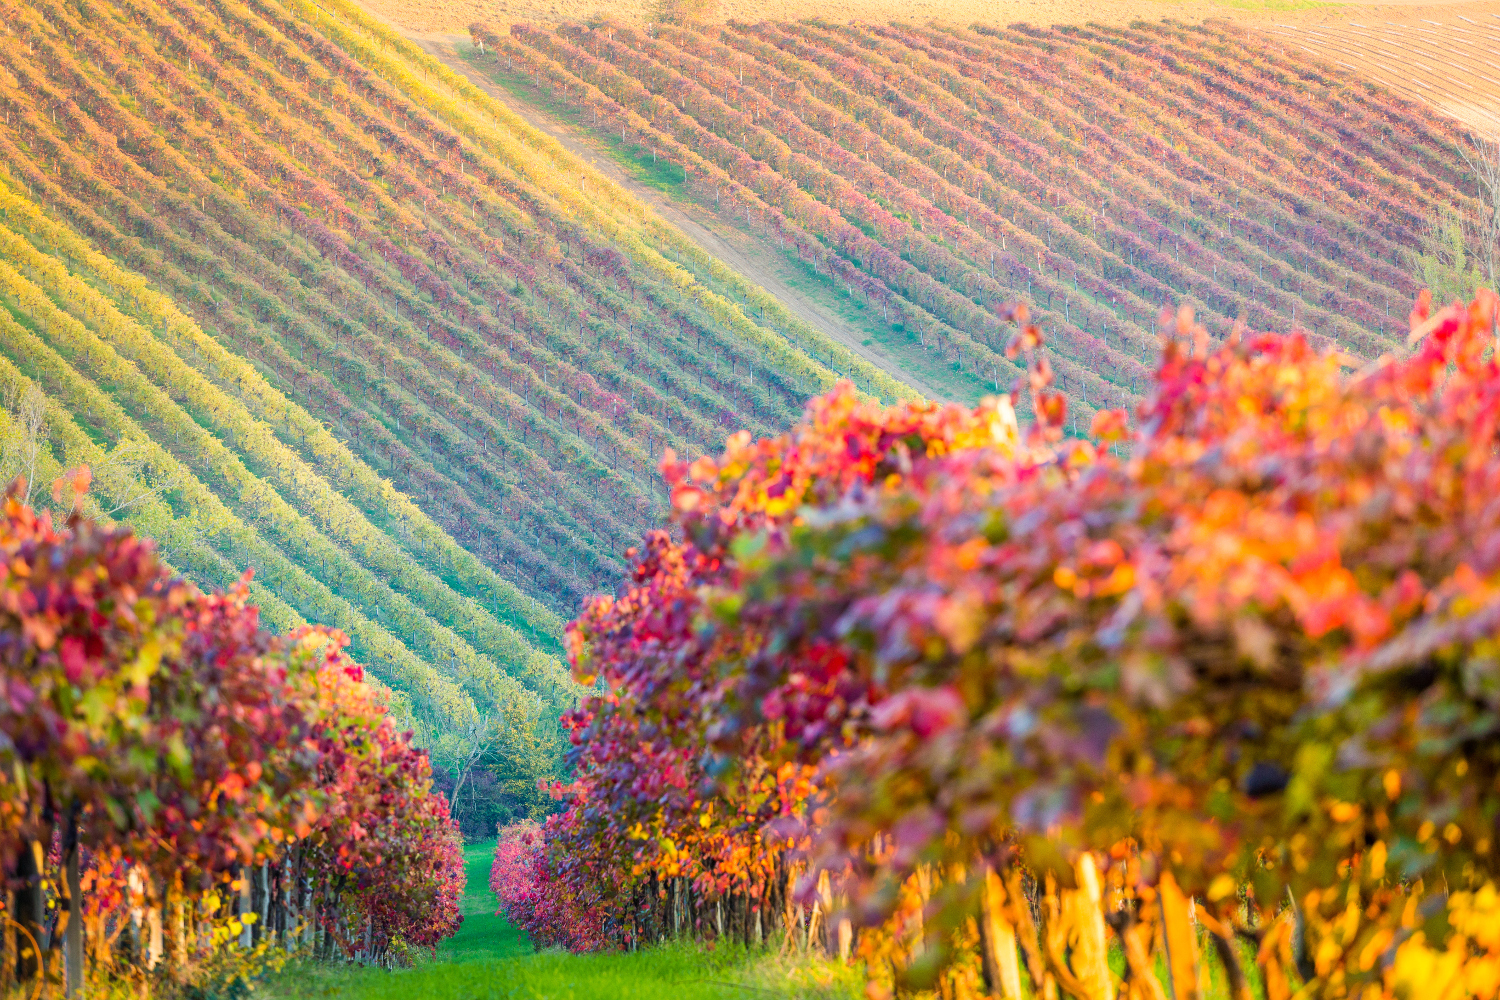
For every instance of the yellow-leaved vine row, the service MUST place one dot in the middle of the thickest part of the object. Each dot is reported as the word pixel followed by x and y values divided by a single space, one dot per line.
pixel 543 625
pixel 335 514
pixel 444 696
pixel 268 404
pixel 180 539
pixel 602 193
pixel 423 597
pixel 213 519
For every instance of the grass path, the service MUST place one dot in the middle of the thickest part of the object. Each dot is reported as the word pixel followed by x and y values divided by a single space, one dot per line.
pixel 489 959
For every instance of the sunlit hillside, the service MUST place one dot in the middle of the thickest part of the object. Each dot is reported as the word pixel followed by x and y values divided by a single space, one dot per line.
pixel 1442 55
pixel 934 175
pixel 954 499
pixel 449 16
pixel 310 305
pixel 1437 53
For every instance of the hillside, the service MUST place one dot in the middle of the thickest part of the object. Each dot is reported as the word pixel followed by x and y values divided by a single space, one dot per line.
pixel 415 362
pixel 314 304
pixel 311 305
pixel 432 17
pixel 1437 53
pixel 988 464
pixel 932 175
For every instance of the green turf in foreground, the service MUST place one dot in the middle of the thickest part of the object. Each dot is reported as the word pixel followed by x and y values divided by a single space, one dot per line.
pixel 488 958
pixel 671 973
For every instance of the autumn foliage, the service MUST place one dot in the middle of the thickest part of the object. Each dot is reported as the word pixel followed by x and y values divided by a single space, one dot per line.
pixel 929 174
pixel 206 780
pixel 1039 694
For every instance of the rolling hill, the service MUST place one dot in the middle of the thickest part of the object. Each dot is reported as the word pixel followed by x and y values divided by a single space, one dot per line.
pixel 311 302
pixel 933 174
pixel 1443 55
pixel 312 305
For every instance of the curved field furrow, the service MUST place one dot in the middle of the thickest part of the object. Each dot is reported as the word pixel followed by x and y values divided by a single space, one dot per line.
pixel 1452 65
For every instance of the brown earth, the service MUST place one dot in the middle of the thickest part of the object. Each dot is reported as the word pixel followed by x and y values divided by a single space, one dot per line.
pixel 1446 56
pixel 451 16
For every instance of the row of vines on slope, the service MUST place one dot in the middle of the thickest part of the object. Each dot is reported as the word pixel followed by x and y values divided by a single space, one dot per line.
pixel 319 559
pixel 398 277
pixel 119 320
pixel 987 706
pixel 188 795
pixel 1098 173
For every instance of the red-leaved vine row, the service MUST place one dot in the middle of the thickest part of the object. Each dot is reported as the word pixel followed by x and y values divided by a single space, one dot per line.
pixel 214 796
pixel 933 174
pixel 985 707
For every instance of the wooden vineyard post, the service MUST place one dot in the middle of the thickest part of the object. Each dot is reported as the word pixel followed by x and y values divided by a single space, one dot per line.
pixel 1177 932
pixel 998 938
pixel 246 905
pixel 792 910
pixel 833 930
pixel 73 914
pixel 153 936
pixel 916 928
pixel 1091 949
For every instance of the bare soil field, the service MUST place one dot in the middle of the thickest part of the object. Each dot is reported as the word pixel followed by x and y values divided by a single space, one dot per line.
pixel 1446 56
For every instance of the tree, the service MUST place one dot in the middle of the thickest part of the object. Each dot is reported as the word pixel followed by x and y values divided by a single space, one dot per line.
pixel 1483 157
pixel 1450 258
pixel 684 11
pixel 18 459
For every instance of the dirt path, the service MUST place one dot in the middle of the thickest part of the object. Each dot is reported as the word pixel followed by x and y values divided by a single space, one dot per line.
pixel 735 250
